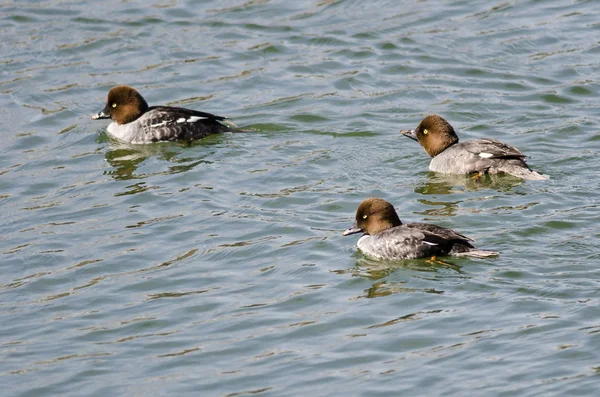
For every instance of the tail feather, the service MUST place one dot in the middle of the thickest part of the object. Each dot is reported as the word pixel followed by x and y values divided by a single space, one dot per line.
pixel 532 176
pixel 228 123
pixel 524 172
pixel 475 253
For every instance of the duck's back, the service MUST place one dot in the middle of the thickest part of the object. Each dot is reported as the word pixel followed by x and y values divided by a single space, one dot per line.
pixel 165 123
pixel 483 156
pixel 442 232
pixel 412 240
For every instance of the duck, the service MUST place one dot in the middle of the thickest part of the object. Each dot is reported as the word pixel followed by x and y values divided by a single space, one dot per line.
pixel 135 122
pixel 385 237
pixel 480 156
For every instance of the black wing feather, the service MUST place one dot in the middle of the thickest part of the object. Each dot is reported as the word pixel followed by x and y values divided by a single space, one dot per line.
pixel 448 235
pixel 161 123
pixel 498 149
pixel 183 112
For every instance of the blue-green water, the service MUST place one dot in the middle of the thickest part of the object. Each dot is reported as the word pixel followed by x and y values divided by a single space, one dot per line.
pixel 219 269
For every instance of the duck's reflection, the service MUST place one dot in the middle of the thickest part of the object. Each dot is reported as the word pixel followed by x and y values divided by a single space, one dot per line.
pixel 442 184
pixel 126 158
pixel 449 184
pixel 442 208
pixel 385 288
pixel 380 272
pixel 378 269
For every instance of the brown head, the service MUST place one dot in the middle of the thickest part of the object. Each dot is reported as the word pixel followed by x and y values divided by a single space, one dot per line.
pixel 123 105
pixel 434 133
pixel 373 216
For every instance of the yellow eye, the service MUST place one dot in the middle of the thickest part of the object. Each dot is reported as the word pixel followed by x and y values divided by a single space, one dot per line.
pixel 114 105
pixel 424 131
pixel 365 216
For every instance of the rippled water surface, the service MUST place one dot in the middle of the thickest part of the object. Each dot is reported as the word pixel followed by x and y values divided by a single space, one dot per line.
pixel 219 269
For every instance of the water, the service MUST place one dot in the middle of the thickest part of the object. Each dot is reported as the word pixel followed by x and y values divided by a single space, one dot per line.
pixel 219 269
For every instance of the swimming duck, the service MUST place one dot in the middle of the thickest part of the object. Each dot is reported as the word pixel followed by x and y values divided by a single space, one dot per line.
pixel 479 156
pixel 135 122
pixel 386 237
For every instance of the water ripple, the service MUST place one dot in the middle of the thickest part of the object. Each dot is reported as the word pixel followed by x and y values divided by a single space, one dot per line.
pixel 220 265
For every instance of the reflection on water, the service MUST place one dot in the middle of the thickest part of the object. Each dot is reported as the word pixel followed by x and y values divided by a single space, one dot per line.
pixel 377 269
pixel 386 288
pixel 446 208
pixel 126 158
pixel 207 267
pixel 380 272
pixel 442 184
pixel 449 184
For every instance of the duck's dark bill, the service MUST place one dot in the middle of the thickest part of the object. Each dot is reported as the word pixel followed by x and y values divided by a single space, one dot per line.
pixel 412 134
pixel 353 230
pixel 100 115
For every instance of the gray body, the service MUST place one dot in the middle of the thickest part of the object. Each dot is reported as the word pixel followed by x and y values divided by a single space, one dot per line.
pixel 483 156
pixel 418 240
pixel 165 123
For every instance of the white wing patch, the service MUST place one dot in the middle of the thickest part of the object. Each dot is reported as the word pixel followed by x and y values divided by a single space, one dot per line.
pixel 192 119
pixel 429 242
pixel 485 155
pixel 159 124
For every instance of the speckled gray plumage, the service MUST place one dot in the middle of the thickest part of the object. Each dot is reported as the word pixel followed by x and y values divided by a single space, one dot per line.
pixel 483 156
pixel 164 123
pixel 417 240
pixel 386 237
